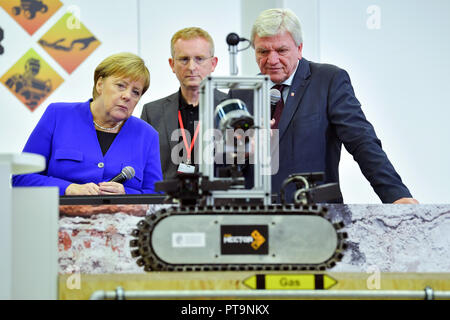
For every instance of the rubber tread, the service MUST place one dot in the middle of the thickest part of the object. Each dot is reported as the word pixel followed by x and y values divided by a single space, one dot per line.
pixel 143 251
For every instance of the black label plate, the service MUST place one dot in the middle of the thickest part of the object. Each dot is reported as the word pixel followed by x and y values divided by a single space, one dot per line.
pixel 244 239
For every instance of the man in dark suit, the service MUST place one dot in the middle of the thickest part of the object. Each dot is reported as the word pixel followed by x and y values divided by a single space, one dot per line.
pixel 192 60
pixel 318 112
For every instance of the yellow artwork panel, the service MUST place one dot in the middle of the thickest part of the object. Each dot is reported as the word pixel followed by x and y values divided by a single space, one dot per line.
pixel 69 42
pixel 30 14
pixel 31 79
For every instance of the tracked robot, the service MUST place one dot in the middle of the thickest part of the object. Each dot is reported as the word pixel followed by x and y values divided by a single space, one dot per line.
pixel 217 224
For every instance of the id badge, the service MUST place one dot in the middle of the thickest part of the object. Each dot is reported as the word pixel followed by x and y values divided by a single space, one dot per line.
pixel 186 168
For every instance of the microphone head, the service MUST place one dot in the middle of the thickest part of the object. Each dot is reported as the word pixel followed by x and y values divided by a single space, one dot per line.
pixel 128 172
pixel 275 96
pixel 233 39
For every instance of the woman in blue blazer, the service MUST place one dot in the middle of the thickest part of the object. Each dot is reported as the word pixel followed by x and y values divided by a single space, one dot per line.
pixel 86 144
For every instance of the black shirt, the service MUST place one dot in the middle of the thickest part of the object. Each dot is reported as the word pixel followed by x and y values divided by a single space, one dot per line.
pixel 105 139
pixel 189 116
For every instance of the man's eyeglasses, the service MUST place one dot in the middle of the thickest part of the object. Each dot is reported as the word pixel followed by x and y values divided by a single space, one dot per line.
pixel 198 60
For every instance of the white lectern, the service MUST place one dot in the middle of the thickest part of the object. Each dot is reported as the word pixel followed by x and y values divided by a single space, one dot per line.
pixel 28 232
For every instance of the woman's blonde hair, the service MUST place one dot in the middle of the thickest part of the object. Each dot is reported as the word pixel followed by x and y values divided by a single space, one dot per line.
pixel 122 65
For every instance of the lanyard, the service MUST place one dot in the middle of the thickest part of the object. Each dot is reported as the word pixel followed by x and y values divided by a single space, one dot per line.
pixel 183 133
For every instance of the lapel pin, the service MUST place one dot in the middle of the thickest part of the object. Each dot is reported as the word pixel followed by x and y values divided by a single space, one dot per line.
pixel 292 94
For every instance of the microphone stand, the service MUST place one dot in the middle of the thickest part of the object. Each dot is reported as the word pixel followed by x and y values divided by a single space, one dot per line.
pixel 233 41
pixel 233 55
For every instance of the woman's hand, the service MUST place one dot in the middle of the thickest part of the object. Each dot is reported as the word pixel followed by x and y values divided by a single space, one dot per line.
pixel 111 188
pixel 90 189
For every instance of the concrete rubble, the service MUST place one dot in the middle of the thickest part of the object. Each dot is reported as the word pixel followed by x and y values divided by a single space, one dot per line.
pixel 384 238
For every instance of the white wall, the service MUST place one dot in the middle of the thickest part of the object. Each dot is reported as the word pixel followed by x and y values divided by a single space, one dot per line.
pixel 159 21
pixel 112 28
pixel 142 27
pixel 399 71
pixel 400 75
pixel 398 59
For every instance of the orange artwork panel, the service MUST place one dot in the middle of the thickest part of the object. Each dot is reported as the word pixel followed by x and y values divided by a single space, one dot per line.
pixel 31 79
pixel 69 42
pixel 30 14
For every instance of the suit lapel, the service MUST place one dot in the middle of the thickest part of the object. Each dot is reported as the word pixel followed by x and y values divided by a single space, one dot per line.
pixel 297 89
pixel 170 111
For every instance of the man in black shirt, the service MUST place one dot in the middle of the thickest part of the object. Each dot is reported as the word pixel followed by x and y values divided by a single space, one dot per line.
pixel 175 117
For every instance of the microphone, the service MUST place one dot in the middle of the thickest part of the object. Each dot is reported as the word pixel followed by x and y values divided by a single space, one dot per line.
pixel 275 96
pixel 233 39
pixel 126 174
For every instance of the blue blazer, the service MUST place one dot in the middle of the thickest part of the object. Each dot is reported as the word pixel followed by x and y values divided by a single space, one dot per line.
pixel 320 114
pixel 66 137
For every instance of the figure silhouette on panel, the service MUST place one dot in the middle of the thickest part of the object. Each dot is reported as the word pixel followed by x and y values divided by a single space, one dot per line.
pixel 1 38
pixel 30 8
pixel 85 42
pixel 28 86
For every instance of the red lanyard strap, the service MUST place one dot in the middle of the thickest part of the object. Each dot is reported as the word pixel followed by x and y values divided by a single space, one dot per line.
pixel 183 133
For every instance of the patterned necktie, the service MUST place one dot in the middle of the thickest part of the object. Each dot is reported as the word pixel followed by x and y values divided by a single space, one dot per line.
pixel 280 105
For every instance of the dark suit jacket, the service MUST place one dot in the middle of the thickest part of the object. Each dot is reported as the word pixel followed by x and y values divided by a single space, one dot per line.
pixel 162 115
pixel 321 113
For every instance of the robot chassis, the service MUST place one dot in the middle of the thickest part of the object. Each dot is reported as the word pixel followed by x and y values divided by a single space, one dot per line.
pixel 218 226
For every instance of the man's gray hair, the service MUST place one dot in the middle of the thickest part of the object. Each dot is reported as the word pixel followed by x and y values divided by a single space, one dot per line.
pixel 274 21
